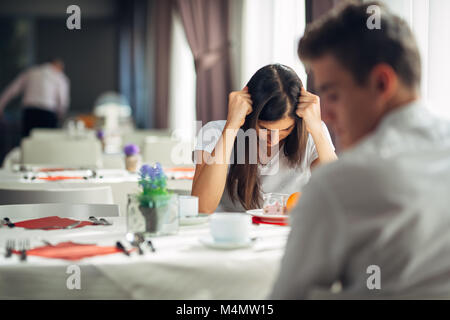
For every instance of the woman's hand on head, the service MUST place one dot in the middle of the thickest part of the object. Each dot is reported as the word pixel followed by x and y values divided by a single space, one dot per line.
pixel 239 106
pixel 309 109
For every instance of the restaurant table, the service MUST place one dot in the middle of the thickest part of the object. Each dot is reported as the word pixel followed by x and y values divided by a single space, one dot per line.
pixel 180 268
pixel 121 181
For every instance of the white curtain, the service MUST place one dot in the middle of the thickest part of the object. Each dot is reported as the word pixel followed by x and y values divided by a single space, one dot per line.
pixel 431 26
pixel 182 113
pixel 271 30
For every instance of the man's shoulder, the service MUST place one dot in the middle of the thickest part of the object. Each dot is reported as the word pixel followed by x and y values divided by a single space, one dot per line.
pixel 350 173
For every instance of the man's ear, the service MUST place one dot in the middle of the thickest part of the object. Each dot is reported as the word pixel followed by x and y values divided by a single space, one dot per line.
pixel 384 80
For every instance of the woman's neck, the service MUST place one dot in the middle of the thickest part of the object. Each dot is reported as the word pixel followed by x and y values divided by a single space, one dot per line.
pixel 264 156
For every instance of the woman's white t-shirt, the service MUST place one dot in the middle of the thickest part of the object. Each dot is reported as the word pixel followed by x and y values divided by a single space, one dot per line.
pixel 275 176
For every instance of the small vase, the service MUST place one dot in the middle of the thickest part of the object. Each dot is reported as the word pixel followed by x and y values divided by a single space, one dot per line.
pixel 132 162
pixel 159 217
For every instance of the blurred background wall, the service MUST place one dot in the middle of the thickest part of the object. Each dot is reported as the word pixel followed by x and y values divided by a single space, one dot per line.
pixel 174 61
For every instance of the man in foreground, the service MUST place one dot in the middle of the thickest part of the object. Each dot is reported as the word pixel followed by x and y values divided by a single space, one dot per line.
pixel 378 220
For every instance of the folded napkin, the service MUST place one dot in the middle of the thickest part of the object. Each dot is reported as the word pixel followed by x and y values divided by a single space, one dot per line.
pixel 48 222
pixel 258 220
pixel 57 178
pixel 55 169
pixel 180 173
pixel 183 178
pixel 70 251
pixel 180 169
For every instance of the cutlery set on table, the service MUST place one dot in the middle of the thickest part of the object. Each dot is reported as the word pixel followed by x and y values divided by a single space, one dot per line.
pixel 68 250
pixel 138 242
pixel 22 247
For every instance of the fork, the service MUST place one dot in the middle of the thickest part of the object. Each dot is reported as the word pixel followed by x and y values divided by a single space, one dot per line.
pixel 102 221
pixel 105 222
pixel 9 247
pixel 24 245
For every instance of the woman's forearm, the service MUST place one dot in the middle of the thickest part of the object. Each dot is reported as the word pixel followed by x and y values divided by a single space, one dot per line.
pixel 210 183
pixel 324 147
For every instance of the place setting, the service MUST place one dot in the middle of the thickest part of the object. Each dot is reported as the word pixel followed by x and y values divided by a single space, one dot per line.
pixel 188 211
pixel 59 174
pixel 74 251
pixel 56 247
pixel 54 223
pixel 275 209
pixel 229 231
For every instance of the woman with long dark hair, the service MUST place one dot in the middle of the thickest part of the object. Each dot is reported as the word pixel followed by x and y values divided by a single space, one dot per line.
pixel 281 138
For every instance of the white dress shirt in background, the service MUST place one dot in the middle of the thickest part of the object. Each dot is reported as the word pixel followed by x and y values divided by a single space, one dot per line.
pixel 384 203
pixel 43 87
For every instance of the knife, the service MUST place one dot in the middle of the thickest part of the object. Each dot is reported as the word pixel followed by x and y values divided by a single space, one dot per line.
pixel 120 246
pixel 8 222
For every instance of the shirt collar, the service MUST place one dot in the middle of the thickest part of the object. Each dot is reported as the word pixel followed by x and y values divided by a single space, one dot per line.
pixel 400 115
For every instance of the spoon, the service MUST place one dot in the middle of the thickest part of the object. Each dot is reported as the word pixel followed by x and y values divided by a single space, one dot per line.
pixel 135 240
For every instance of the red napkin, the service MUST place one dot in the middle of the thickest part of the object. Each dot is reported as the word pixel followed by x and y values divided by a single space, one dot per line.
pixel 43 223
pixel 57 178
pixel 180 169
pixel 258 220
pixel 184 178
pixel 54 169
pixel 70 251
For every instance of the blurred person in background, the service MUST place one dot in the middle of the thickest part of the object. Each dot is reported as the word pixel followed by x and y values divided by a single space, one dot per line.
pixel 45 100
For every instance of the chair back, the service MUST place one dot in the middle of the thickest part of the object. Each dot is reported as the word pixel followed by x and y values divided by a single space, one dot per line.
pixel 62 152
pixel 63 210
pixel 91 195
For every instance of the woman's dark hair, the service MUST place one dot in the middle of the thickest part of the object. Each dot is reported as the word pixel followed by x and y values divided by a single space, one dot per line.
pixel 275 91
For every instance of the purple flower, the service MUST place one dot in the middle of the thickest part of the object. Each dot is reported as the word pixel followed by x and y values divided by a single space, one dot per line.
pixel 131 149
pixel 153 173
pixel 145 170
pixel 152 178
pixel 158 170
pixel 100 134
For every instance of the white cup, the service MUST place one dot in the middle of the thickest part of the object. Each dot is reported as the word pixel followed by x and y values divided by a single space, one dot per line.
pixel 188 206
pixel 230 227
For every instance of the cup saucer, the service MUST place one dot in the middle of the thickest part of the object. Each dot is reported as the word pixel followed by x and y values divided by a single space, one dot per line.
pixel 209 242
pixel 188 221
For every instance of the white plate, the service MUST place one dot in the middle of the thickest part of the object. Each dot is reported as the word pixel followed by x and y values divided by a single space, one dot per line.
pixel 209 242
pixel 189 221
pixel 260 214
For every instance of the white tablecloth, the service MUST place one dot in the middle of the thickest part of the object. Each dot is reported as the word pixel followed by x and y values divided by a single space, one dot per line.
pixel 121 182
pixel 181 267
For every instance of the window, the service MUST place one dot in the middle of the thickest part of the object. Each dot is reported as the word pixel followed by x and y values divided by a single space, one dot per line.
pixel 431 26
pixel 271 30
pixel 182 113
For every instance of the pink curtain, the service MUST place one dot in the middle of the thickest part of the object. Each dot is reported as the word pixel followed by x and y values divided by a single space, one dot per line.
pixel 162 17
pixel 206 26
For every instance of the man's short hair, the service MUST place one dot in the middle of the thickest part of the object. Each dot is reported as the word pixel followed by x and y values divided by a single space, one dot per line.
pixel 344 33
pixel 53 59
